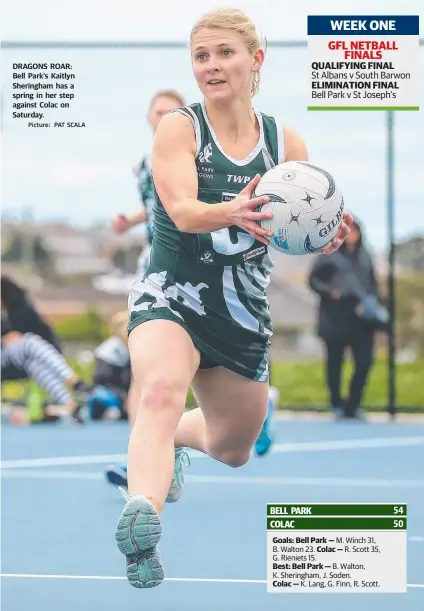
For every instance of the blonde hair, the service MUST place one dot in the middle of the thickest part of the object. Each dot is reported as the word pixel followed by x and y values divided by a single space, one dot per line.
pixel 236 21
pixel 167 93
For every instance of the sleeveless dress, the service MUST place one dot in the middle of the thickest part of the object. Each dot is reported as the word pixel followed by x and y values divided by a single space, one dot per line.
pixel 214 284
pixel 147 198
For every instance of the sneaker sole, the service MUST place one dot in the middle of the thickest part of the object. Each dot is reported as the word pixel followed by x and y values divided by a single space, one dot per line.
pixel 145 570
pixel 138 528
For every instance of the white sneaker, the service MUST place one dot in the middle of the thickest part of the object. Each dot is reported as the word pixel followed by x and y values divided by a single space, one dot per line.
pixel 181 460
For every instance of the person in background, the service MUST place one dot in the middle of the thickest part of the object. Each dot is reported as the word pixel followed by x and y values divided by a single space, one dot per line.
pixel 22 314
pixel 25 355
pixel 341 280
pixel 112 374
pixel 162 102
pixel 31 349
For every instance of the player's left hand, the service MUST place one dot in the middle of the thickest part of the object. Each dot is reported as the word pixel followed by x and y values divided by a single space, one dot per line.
pixel 341 235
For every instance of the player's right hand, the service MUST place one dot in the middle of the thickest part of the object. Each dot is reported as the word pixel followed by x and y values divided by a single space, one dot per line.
pixel 243 212
pixel 120 224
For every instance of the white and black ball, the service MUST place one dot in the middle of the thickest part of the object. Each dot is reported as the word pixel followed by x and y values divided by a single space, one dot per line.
pixel 306 204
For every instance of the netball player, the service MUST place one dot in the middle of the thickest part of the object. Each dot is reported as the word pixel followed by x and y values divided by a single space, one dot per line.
pixel 200 318
pixel 162 102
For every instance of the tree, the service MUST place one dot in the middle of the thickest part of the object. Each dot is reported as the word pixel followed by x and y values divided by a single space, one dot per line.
pixel 410 253
pixel 410 312
pixel 90 326
pixel 27 248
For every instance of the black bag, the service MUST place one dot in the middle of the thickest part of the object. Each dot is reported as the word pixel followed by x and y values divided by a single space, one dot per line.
pixel 369 310
pixel 372 313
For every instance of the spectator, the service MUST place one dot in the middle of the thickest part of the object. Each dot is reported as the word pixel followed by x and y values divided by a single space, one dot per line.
pixel 112 371
pixel 342 280
pixel 21 313
pixel 31 349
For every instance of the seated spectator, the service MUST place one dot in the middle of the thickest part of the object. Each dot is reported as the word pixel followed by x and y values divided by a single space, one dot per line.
pixel 22 314
pixel 112 371
pixel 26 354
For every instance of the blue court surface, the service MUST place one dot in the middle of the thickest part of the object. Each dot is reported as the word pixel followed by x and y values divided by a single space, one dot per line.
pixel 59 516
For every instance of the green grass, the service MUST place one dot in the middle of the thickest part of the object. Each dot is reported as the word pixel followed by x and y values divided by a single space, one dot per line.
pixel 303 384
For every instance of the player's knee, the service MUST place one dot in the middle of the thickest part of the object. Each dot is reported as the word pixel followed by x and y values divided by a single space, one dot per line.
pixel 160 394
pixel 232 458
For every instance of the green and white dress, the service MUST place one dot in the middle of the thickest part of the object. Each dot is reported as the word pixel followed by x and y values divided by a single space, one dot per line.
pixel 147 198
pixel 214 284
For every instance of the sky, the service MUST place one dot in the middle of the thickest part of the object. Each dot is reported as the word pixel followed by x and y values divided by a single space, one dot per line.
pixel 166 19
pixel 84 175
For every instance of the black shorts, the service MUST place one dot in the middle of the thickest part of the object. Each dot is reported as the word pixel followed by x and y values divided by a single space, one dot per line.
pixel 206 362
pixel 111 376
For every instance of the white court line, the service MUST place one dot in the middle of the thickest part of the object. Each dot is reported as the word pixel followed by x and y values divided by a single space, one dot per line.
pixel 113 578
pixel 61 461
pixel 225 479
pixel 304 481
pixel 211 479
pixel 181 579
pixel 315 446
pixel 349 444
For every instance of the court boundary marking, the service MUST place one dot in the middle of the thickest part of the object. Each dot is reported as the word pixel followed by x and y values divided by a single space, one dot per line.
pixel 267 480
pixel 281 448
pixel 174 579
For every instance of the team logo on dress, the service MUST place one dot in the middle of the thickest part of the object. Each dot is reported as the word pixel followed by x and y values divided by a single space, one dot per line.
pixel 206 155
pixel 207 257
